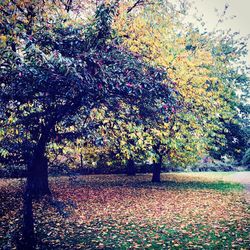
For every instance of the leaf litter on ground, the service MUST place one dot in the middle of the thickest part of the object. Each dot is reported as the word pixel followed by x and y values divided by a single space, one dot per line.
pixel 120 212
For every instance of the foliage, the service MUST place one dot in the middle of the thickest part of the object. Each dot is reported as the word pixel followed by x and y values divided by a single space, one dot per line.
pixel 98 49
pixel 196 63
pixel 236 141
pixel 246 157
pixel 58 71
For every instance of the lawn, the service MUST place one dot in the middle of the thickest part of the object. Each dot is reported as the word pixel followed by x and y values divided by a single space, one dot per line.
pixel 185 211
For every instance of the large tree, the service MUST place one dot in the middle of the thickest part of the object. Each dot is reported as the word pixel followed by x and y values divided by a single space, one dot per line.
pixel 53 73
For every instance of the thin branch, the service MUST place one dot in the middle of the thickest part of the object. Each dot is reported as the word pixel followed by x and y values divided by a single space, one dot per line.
pixel 138 2
pixel 68 5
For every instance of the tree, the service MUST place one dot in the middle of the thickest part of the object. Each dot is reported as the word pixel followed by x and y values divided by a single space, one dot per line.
pixel 195 60
pixel 51 72
pixel 60 70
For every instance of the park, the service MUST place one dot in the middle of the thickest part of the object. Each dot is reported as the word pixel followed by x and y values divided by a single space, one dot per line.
pixel 123 125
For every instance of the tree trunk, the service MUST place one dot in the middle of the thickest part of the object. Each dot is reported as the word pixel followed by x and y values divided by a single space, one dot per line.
pixel 28 235
pixel 37 174
pixel 131 170
pixel 81 158
pixel 37 186
pixel 157 170
pixel 37 178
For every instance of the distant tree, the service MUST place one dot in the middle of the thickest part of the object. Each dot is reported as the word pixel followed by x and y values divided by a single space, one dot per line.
pixel 246 158
pixel 208 70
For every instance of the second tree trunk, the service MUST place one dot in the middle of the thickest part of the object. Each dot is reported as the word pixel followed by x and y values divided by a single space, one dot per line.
pixel 131 170
pixel 157 170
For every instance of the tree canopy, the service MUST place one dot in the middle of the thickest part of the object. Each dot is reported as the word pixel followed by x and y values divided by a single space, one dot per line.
pixel 164 89
pixel 52 73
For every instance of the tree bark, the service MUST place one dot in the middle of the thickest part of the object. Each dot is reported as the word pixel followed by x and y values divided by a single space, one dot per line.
pixel 131 170
pixel 37 174
pixel 28 235
pixel 37 186
pixel 157 170
pixel 37 178
pixel 81 158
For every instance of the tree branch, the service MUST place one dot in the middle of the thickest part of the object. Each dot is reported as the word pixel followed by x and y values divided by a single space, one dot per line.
pixel 138 2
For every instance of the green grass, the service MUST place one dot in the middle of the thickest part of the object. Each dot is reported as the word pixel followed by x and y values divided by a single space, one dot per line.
pixel 133 236
pixel 219 185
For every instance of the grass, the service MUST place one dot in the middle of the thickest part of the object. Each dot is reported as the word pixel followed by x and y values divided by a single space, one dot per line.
pixel 218 185
pixel 185 211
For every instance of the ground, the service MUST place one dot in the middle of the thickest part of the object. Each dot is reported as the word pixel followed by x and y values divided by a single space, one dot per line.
pixel 185 211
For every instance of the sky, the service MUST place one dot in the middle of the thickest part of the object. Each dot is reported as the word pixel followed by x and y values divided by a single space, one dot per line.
pixel 240 9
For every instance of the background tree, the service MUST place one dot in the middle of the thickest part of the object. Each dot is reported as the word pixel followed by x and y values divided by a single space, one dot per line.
pixel 196 63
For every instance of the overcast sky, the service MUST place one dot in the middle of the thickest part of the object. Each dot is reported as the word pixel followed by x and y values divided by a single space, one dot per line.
pixel 238 8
